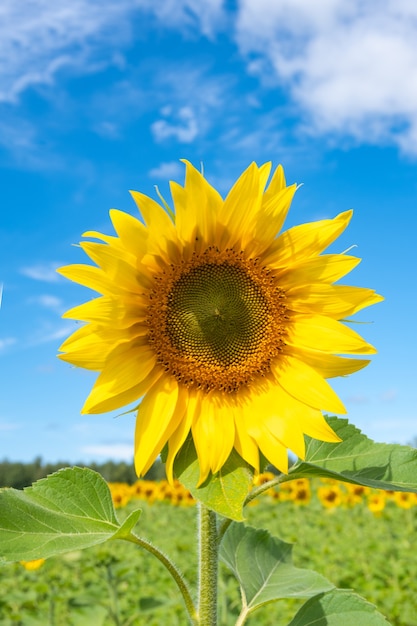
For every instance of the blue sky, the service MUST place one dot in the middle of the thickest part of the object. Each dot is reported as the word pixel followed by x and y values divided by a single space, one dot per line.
pixel 99 97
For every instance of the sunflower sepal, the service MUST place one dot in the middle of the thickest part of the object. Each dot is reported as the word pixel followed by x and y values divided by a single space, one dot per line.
pixel 357 459
pixel 224 492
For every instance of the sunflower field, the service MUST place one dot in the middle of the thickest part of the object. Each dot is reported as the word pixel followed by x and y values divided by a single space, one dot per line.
pixel 357 537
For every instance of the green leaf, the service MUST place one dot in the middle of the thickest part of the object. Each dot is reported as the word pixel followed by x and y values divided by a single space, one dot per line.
pixel 224 492
pixel 69 510
pixel 338 608
pixel 263 566
pixel 359 460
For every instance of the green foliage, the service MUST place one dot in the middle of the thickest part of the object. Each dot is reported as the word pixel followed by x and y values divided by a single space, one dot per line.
pixel 72 509
pixel 263 566
pixel 338 608
pixel 359 460
pixel 225 492
pixel 115 576
pixel 69 510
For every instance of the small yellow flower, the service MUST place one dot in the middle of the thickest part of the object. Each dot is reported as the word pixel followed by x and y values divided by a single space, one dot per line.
pixel 264 477
pixel 356 494
pixel 330 497
pixel 301 491
pixel 404 500
pixel 121 494
pixel 376 501
pixel 31 566
pixel 224 327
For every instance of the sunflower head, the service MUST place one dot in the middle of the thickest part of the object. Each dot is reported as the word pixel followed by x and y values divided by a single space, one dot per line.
pixel 222 326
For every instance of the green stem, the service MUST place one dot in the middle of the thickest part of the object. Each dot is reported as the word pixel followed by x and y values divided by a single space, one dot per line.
pixel 173 570
pixel 208 567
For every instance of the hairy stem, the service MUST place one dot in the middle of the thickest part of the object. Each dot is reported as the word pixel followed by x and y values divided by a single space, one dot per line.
pixel 175 573
pixel 208 567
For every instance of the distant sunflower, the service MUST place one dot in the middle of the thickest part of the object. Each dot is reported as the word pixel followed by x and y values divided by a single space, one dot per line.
pixel 221 327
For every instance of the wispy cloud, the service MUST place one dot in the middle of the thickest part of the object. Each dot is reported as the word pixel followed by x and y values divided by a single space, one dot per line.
pixel 167 171
pixel 48 301
pixel 42 271
pixel 81 36
pixel 110 451
pixel 350 70
pixel 6 342
pixel 49 334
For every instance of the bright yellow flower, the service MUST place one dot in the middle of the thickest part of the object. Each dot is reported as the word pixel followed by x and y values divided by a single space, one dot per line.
pixel 376 501
pixel 33 565
pixel 330 497
pixel 223 327
pixel 404 500
pixel 120 493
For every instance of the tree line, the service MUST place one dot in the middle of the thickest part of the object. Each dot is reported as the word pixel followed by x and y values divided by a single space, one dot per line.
pixel 20 475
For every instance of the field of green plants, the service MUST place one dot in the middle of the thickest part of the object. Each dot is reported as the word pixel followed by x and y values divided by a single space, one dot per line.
pixel 117 584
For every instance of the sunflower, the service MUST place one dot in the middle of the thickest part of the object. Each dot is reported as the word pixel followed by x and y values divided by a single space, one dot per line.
pixel 222 327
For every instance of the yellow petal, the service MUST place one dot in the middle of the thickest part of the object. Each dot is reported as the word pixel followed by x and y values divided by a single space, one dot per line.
pixel 159 414
pixel 179 436
pixel 303 383
pixel 213 435
pixel 126 368
pixel 325 334
pixel 326 268
pixel 241 207
pixel 105 310
pixel 197 206
pixel 278 412
pixel 337 301
pixel 306 240
pixel 314 425
pixel 103 404
pixel 244 444
pixel 273 450
pixel 86 348
pixel 161 230
pixel 329 365
pixel 132 232
pixel 89 276
pixel 120 267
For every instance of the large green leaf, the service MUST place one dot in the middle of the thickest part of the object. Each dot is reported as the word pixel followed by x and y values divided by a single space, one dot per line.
pixel 263 566
pixel 69 510
pixel 359 460
pixel 224 492
pixel 338 608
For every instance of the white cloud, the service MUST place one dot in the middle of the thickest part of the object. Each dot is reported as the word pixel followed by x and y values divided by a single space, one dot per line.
pixel 350 68
pixel 183 125
pixel 43 271
pixel 47 334
pixel 48 301
pixel 6 343
pixel 110 451
pixel 167 171
pixel 82 35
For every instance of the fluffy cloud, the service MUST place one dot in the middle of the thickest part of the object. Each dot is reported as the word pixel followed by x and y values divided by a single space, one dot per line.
pixel 181 125
pixel 350 68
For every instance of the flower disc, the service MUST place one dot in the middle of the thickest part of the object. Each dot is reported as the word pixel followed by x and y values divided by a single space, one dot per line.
pixel 217 321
